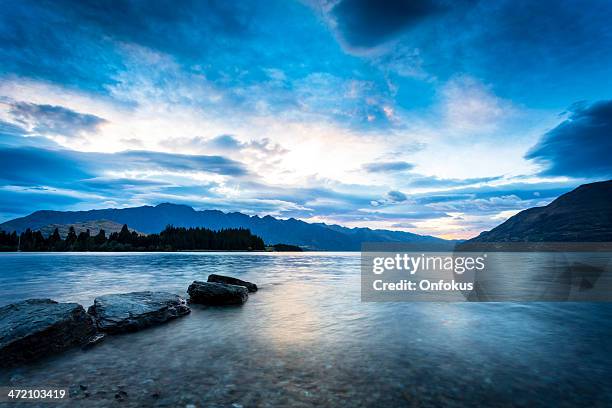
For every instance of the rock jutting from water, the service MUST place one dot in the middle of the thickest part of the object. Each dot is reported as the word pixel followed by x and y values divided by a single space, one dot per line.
pixel 36 328
pixel 217 294
pixel 128 312
pixel 232 281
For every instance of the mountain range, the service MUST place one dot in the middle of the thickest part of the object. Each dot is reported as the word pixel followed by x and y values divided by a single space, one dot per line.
pixel 149 219
pixel 581 215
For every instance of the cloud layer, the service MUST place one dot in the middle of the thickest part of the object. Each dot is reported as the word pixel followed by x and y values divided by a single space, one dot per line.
pixel 388 114
pixel 54 120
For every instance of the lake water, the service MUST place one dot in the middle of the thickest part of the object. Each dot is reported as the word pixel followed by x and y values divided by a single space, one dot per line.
pixel 306 339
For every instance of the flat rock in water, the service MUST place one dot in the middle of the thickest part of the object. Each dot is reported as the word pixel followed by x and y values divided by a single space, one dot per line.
pixel 232 281
pixel 211 293
pixel 128 312
pixel 38 327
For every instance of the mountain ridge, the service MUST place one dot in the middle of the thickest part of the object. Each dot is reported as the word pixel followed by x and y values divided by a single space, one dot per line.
pixel 581 215
pixel 152 219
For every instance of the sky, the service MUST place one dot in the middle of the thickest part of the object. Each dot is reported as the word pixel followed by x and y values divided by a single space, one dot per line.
pixel 436 117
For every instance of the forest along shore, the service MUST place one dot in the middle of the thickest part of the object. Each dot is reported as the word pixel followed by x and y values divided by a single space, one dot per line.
pixel 170 239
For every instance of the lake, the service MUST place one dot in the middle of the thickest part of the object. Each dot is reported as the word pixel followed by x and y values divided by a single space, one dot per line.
pixel 306 339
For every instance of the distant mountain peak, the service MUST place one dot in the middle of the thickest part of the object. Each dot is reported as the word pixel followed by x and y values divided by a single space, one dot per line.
pixel 175 206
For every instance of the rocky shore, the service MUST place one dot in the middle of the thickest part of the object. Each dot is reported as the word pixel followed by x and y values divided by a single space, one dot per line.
pixel 35 328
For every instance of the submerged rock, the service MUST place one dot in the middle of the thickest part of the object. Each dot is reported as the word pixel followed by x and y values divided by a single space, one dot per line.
pixel 211 293
pixel 38 327
pixel 128 312
pixel 232 281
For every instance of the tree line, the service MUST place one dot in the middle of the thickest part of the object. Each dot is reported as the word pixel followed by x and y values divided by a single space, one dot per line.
pixel 170 239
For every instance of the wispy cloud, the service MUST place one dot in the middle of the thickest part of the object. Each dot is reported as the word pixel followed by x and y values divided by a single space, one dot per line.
pixel 385 167
pixel 54 120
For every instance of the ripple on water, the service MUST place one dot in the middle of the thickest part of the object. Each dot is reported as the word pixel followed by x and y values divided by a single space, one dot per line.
pixel 306 339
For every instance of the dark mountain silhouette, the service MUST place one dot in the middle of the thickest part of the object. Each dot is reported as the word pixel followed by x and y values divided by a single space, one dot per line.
pixel 582 215
pixel 148 219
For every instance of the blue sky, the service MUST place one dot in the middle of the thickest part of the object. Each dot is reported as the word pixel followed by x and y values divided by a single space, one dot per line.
pixel 436 117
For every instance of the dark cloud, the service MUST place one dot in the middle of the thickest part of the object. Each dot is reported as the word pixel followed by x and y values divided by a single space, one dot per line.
pixel 477 205
pixel 32 166
pixel 56 120
pixel 231 143
pixel 225 142
pixel 367 23
pixel 12 135
pixel 387 167
pixel 179 162
pixel 392 197
pixel 114 184
pixel 396 196
pixel 228 144
pixel 421 181
pixel 581 145
pixel 435 198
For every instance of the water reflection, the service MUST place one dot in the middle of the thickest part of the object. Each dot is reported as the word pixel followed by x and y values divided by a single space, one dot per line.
pixel 306 339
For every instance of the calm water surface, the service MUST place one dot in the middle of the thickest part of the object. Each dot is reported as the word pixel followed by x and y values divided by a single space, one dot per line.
pixel 305 339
